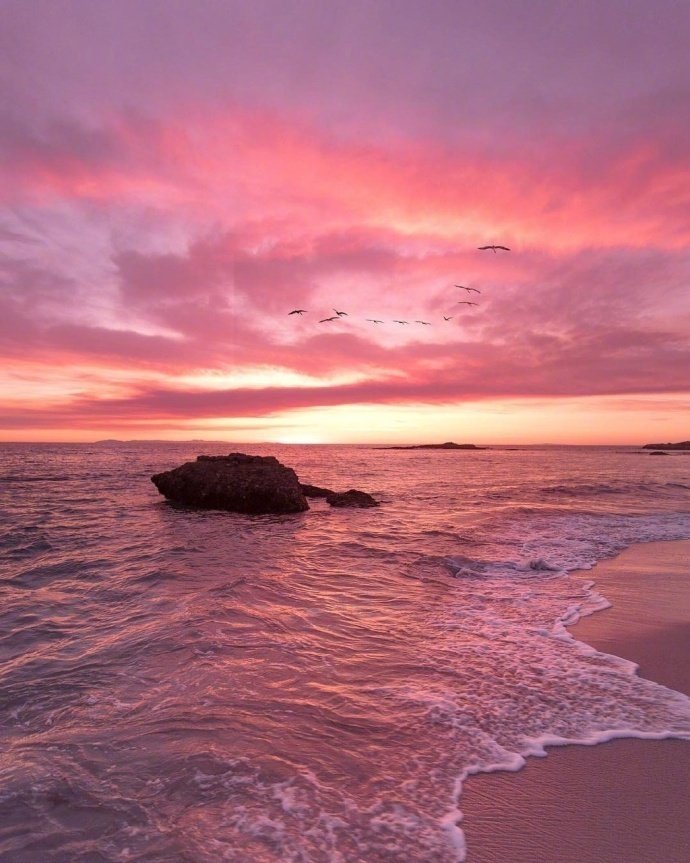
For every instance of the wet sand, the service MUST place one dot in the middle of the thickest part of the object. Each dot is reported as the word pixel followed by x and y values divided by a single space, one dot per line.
pixel 627 801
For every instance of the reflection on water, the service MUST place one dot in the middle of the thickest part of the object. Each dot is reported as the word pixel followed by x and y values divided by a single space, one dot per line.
pixel 203 686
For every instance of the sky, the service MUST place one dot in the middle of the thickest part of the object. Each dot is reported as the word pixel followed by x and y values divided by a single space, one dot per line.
pixel 176 177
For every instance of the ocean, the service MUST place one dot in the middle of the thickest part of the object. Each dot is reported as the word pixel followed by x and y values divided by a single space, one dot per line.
pixel 183 686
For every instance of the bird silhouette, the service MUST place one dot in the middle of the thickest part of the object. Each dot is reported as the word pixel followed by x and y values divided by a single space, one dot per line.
pixel 476 290
pixel 493 248
pixel 401 322
pixel 297 312
pixel 426 323
pixel 466 303
pixel 333 318
pixel 340 314
pixel 450 318
pixel 374 321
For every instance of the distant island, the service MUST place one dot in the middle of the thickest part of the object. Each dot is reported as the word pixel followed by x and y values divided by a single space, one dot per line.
pixel 684 444
pixel 448 445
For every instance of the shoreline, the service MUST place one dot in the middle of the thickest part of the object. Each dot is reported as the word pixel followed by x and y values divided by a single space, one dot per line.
pixel 622 801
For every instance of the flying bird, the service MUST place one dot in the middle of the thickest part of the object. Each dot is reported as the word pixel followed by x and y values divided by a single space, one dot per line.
pixel 426 323
pixel 374 321
pixel 476 290
pixel 493 248
pixel 401 322
pixel 297 312
pixel 466 303
pixel 450 318
pixel 334 318
pixel 340 314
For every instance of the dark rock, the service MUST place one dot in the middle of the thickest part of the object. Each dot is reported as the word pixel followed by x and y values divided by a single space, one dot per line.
pixel 658 452
pixel 684 444
pixel 314 490
pixel 351 498
pixel 235 482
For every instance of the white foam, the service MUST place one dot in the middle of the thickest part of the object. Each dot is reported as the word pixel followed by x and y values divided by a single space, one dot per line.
pixel 535 685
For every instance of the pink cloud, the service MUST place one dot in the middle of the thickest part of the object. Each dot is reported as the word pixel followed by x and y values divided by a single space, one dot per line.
pixel 629 194
pixel 163 217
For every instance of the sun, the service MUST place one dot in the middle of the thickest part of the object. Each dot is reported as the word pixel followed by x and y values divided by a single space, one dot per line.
pixel 299 437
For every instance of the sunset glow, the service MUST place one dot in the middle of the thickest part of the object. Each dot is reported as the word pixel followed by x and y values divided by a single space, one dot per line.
pixel 168 199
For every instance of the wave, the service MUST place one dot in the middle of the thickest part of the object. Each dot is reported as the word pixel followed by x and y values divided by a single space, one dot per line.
pixel 587 489
pixel 22 478
pixel 197 687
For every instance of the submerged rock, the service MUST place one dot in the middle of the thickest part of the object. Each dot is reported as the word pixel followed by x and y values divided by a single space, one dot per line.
pixel 353 497
pixel 658 452
pixel 315 490
pixel 236 482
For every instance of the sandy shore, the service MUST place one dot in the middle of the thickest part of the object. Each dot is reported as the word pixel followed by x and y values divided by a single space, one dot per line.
pixel 627 801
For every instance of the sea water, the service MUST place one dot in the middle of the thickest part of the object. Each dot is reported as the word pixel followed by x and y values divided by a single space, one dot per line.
pixel 182 686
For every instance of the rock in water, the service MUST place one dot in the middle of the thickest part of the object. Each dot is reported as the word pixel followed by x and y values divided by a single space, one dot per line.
pixel 351 498
pixel 315 490
pixel 251 484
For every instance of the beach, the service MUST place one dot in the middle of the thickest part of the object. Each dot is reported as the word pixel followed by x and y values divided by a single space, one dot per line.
pixel 183 684
pixel 344 356
pixel 625 801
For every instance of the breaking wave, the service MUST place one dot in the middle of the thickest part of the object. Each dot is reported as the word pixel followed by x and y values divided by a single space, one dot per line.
pixel 204 686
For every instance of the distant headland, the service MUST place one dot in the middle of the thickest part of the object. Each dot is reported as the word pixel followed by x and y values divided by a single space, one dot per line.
pixel 447 445
pixel 684 445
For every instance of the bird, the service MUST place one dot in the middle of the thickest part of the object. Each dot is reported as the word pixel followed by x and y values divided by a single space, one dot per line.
pixel 493 248
pixel 401 322
pixel 449 318
pixel 374 321
pixel 340 314
pixel 466 303
pixel 334 318
pixel 476 290
pixel 426 323
pixel 297 312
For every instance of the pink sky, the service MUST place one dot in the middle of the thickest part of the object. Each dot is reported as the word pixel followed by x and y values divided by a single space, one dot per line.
pixel 177 176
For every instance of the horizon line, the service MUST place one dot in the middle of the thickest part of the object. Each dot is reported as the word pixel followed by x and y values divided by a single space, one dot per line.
pixel 312 443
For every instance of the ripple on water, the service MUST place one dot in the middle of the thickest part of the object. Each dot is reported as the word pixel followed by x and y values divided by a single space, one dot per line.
pixel 203 686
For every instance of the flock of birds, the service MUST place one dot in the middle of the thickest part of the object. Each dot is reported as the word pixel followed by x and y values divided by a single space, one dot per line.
pixel 339 314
